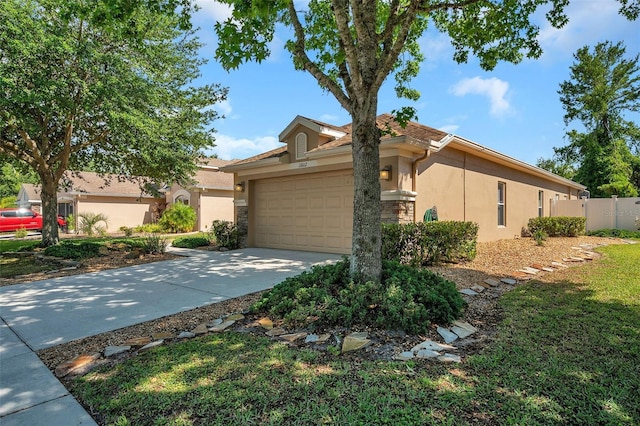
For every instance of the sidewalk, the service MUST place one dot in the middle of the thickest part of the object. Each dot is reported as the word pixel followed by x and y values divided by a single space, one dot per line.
pixel 47 313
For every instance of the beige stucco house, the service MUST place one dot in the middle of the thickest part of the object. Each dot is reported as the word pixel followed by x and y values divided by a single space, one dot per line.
pixel 300 196
pixel 125 204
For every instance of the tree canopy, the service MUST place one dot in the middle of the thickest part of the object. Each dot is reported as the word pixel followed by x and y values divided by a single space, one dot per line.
pixel 95 83
pixel 603 87
pixel 351 47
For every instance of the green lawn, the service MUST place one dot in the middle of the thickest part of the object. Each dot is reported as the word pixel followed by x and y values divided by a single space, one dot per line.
pixel 568 352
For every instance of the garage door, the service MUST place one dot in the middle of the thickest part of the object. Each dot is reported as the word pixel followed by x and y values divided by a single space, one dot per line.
pixel 308 212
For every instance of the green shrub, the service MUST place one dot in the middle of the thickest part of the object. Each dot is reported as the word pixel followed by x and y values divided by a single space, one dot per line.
pixel 127 231
pixel 561 226
pixel 178 218
pixel 70 249
pixel 92 223
pixel 615 233
pixel 427 243
pixel 408 298
pixel 225 234
pixel 21 232
pixel 155 244
pixel 191 241
pixel 539 236
pixel 148 228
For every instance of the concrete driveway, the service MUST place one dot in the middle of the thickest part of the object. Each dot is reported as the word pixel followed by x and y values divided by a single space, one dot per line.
pixel 46 313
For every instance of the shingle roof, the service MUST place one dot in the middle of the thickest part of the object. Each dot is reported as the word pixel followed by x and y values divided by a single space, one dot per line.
pixel 110 185
pixel 384 121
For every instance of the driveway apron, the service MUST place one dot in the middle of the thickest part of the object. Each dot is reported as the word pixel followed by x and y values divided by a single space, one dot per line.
pixel 47 313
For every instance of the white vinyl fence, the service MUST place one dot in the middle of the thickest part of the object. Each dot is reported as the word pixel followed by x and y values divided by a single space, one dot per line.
pixel 601 213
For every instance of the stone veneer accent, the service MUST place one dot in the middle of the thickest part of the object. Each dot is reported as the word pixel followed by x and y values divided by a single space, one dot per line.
pixel 242 222
pixel 397 211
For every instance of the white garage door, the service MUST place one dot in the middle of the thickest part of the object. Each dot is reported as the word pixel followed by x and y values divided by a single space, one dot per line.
pixel 310 212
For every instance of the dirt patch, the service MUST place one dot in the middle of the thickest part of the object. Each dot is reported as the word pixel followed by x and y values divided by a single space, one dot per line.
pixel 496 260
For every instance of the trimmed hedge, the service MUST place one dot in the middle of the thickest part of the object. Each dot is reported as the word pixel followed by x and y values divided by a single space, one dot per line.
pixel 428 243
pixel 408 298
pixel 561 226
pixel 72 249
pixel 617 233
pixel 191 241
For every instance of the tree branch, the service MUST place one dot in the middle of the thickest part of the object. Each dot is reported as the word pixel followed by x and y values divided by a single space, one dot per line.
pixel 341 12
pixel 311 67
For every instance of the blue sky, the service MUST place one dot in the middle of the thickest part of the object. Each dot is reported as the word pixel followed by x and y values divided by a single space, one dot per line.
pixel 514 109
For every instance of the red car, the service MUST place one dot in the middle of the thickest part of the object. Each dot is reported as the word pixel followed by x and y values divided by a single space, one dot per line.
pixel 14 219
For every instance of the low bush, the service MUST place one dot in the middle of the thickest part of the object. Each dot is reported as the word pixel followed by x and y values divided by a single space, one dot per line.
pixel 148 228
pixel 561 226
pixel 225 234
pixel 615 233
pixel 128 231
pixel 428 243
pixel 71 249
pixel 155 244
pixel 540 237
pixel 178 218
pixel 408 298
pixel 21 232
pixel 90 223
pixel 191 241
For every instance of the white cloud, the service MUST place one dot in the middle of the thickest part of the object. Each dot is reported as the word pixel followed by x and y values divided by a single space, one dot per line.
pixel 329 118
pixel 224 108
pixel 449 128
pixel 218 11
pixel 436 47
pixel 588 22
pixel 493 88
pixel 229 148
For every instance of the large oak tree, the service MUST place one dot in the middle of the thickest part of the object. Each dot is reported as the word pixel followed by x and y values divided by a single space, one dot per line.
pixel 351 47
pixel 101 83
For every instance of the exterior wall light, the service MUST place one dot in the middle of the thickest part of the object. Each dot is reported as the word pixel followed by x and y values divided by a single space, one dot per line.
pixel 385 173
pixel 239 187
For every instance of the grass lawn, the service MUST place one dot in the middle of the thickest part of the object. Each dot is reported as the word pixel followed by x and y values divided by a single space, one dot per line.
pixel 568 352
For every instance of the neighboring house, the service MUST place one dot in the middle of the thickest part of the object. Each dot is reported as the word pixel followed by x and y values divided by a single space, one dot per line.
pixel 300 196
pixel 125 204
pixel 211 195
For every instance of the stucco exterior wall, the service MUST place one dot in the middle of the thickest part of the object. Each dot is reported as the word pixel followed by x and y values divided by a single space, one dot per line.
pixel 120 211
pixel 464 186
pixel 213 204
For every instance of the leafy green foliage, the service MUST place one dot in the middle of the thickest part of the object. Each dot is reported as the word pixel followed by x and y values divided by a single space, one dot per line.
pixel 408 298
pixel 560 226
pixel 74 249
pixel 111 85
pixel 191 241
pixel 178 218
pixel 540 236
pixel 90 223
pixel 21 232
pixel 155 244
pixel 616 233
pixel 127 230
pixel 428 243
pixel 225 234
pixel 149 228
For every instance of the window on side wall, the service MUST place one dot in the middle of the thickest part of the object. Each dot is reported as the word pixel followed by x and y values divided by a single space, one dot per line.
pixel 540 203
pixel 502 205
pixel 301 146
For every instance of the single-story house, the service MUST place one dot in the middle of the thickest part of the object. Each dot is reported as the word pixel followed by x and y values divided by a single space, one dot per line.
pixel 125 204
pixel 300 196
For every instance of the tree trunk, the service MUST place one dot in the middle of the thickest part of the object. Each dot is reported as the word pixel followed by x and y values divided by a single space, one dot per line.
pixel 49 199
pixel 366 261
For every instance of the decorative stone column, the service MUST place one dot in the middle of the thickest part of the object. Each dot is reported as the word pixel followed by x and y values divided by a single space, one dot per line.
pixel 398 206
pixel 242 221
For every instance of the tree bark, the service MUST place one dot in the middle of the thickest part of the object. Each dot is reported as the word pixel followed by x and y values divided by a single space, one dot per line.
pixel 49 199
pixel 366 261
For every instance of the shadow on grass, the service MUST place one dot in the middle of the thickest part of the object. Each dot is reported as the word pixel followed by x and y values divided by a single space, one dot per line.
pixel 562 356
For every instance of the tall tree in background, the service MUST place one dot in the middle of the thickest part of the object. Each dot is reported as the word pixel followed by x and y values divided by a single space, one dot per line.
pixel 352 46
pixel 104 83
pixel 603 87
pixel 11 177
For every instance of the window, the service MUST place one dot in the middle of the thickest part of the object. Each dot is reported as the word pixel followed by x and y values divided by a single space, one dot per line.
pixel 502 192
pixel 301 146
pixel 540 203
